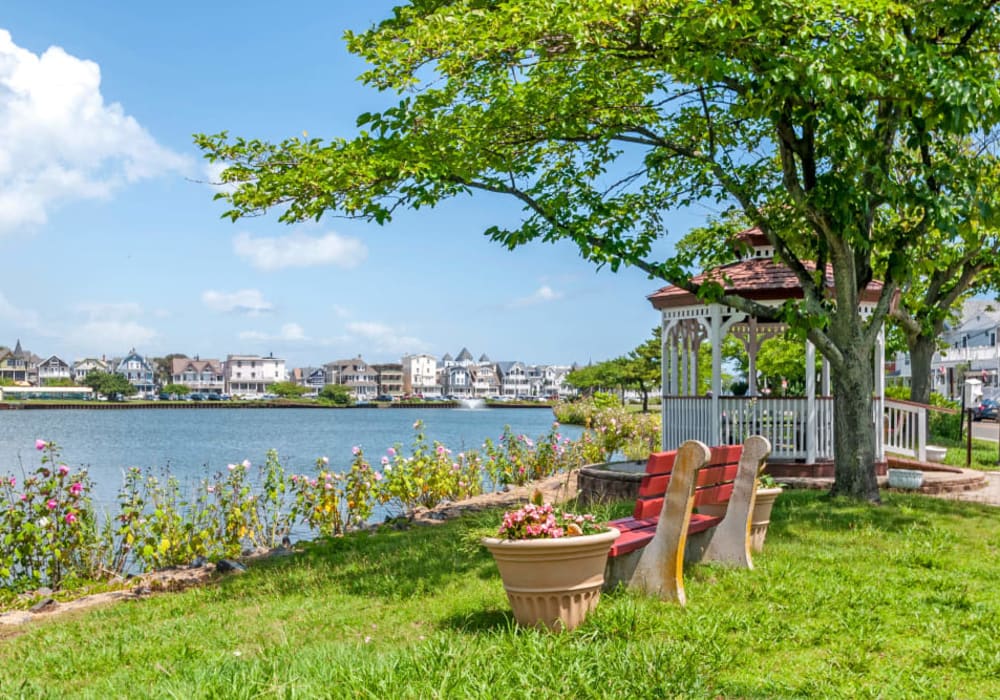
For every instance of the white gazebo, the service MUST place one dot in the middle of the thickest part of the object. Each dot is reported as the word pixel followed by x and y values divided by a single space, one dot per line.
pixel 800 428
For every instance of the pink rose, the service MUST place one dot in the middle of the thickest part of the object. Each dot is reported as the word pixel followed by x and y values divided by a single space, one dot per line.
pixel 12 482
pixel 40 444
pixel 324 460
pixel 378 476
pixel 63 470
pixel 76 488
pixel 246 463
pixel 391 451
pixel 70 518
pixel 52 503
pixel 356 450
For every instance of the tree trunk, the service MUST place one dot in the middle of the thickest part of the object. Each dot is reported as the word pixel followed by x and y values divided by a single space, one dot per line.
pixel 854 429
pixel 921 353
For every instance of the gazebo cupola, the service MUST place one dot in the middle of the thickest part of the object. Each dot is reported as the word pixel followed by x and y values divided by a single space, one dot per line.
pixel 800 428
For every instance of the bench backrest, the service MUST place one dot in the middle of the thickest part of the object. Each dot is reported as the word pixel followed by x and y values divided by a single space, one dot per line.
pixel 715 480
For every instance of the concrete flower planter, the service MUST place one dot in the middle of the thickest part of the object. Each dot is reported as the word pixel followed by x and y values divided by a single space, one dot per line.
pixel 905 478
pixel 934 453
pixel 552 583
pixel 761 518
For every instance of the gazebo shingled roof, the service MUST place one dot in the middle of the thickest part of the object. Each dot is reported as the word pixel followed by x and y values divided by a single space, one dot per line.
pixel 757 277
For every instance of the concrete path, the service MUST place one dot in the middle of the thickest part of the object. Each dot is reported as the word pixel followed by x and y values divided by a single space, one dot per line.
pixel 990 494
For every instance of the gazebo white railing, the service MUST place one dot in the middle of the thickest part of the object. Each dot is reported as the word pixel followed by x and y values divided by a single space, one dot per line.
pixel 905 428
pixel 785 421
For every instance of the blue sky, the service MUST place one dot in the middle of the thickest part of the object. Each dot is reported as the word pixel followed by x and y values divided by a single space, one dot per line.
pixel 111 239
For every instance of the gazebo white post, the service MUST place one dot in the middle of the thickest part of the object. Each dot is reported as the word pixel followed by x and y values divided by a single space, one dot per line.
pixel 880 395
pixel 665 346
pixel 752 355
pixel 825 387
pixel 810 403
pixel 674 361
pixel 694 344
pixel 685 342
pixel 715 337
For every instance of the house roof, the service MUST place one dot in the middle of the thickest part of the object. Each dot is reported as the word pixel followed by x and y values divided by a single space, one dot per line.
pixel 758 277
pixel 464 356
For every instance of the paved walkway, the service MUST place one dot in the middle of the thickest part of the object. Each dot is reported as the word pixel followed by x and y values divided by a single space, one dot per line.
pixel 989 494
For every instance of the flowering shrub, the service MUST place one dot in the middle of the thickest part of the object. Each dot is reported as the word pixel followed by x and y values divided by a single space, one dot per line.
pixel 429 475
pixel 517 459
pixel 49 532
pixel 47 526
pixel 333 502
pixel 634 435
pixel 542 521
pixel 274 513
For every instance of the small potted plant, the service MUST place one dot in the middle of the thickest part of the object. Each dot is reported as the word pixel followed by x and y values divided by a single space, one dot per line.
pixel 551 563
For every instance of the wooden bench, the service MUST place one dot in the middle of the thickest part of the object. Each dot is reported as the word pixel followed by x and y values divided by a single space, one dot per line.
pixel 664 531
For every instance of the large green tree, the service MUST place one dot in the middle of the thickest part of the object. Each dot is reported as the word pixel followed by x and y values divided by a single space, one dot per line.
pixel 600 117
pixel 109 383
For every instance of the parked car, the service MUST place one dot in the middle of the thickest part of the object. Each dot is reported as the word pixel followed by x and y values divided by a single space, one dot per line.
pixel 383 397
pixel 987 408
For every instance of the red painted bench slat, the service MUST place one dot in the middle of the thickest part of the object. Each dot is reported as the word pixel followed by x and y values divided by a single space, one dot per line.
pixel 634 539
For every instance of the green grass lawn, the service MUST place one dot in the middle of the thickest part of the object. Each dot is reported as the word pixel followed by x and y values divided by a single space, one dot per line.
pixel 847 600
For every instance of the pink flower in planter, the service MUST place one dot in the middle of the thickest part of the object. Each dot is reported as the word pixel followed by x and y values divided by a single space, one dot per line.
pixel 70 518
pixel 324 460
pixel 12 481
pixel 76 488
pixel 24 497
pixel 385 461
pixel 52 503
pixel 230 467
pixel 40 444
pixel 63 470
pixel 378 476
pixel 246 463
pixel 355 450
pixel 391 451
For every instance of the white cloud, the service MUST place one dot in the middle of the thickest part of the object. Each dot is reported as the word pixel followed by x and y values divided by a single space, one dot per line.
pixel 213 176
pixel 111 337
pixel 22 318
pixel 542 295
pixel 103 311
pixel 290 332
pixel 300 250
pixel 59 141
pixel 110 328
pixel 244 301
pixel 385 339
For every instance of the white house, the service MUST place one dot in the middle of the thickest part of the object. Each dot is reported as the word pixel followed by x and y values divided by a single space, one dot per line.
pixel 252 375
pixel 81 368
pixel 53 369
pixel 420 375
pixel 202 376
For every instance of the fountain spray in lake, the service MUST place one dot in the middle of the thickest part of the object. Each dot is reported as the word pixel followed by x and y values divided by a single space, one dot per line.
pixel 472 404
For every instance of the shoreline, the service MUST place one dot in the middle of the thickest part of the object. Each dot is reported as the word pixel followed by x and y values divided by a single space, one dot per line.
pixel 557 488
pixel 160 405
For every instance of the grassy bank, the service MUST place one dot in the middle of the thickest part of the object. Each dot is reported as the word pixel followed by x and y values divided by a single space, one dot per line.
pixel 847 600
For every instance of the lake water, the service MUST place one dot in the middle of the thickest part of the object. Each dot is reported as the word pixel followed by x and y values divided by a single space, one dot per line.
pixel 187 441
